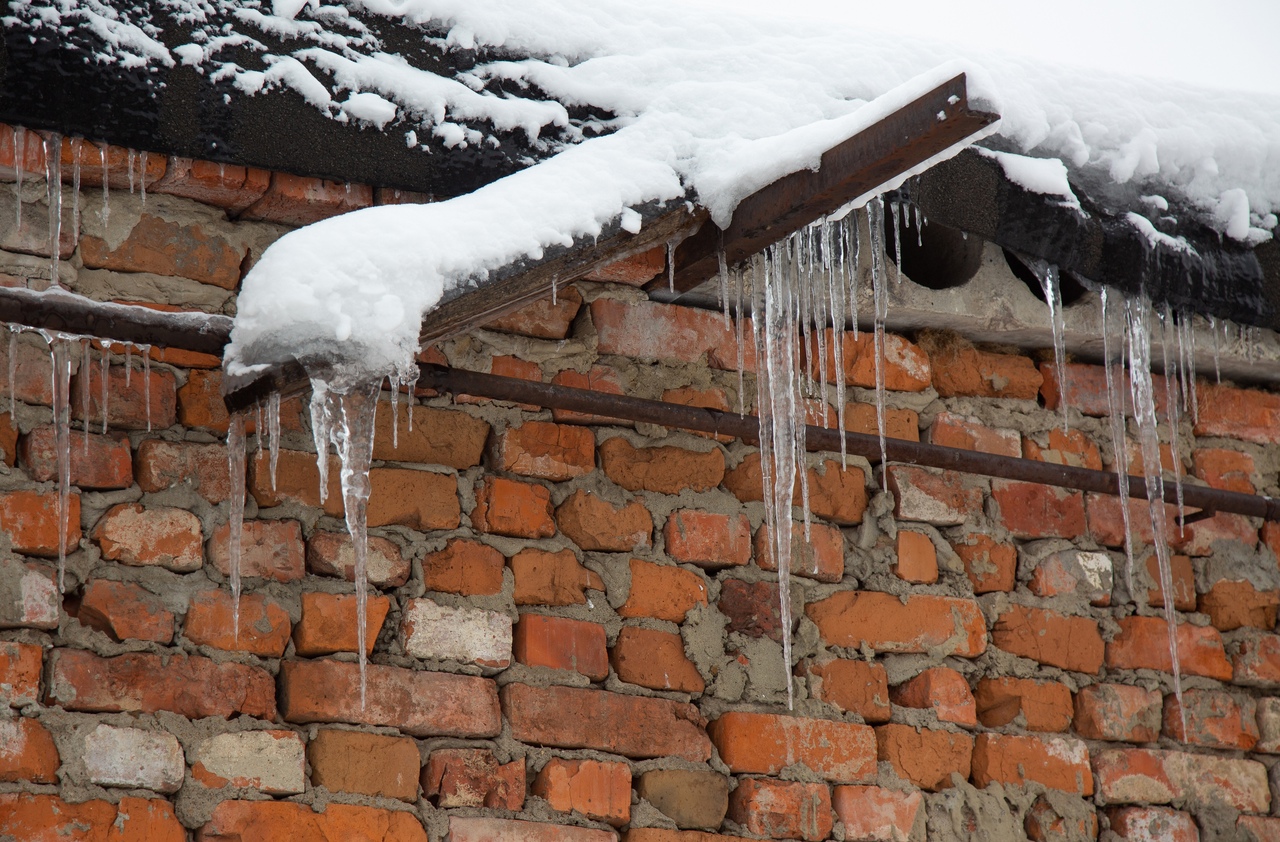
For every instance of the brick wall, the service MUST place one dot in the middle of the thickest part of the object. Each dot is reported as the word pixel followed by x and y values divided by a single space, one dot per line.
pixel 575 630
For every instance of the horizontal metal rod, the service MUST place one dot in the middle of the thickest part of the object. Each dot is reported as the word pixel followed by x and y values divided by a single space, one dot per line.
pixel 745 427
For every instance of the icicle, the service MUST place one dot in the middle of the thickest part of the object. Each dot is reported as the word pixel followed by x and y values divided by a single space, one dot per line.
pixel 76 143
pixel 321 430
pixel 142 177
pixel 554 293
pixel 897 244
pixel 671 266
pixel 875 220
pixel 1173 404
pixel 19 156
pixel 740 327
pixel 13 373
pixel 106 184
pixel 1115 414
pixel 105 365
pixel 53 188
pixel 1047 274
pixel 1188 328
pixel 852 252
pixel 836 292
pixel 393 380
pixel 411 387
pixel 132 156
pixel 723 278
pixel 235 469
pixel 1217 363
pixel 84 390
pixel 222 173
pixel 145 350
pixel 128 362
pixel 60 365
pixel 273 433
pixel 919 226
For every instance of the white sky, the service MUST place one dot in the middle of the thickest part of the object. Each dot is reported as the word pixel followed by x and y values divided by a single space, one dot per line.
pixel 1231 44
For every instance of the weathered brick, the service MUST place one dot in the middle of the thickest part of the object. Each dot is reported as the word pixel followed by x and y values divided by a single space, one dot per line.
pixel 463 567
pixel 1258 828
pixel 329 623
pixel 917 558
pixel 1136 775
pixel 1214 719
pixel 753 608
pixel 125 610
pixel 1143 643
pixel 106 463
pixel 47 817
pixel 508 830
pixel 439 436
pixel 942 690
pixel 662 591
pixel 633 726
pixel 898 423
pixel 599 378
pixel 761 743
pixel 633 270
pixel 860 687
pixel 1061 819
pixel 1229 470
pixel 297 480
pixel 286 820
pixel 1069 643
pixel 943 498
pixel 884 623
pixel 666 470
pixel 1072 447
pixel 960 370
pixel 689 797
pixel 469 777
pixel 1268 715
pixel 228 186
pixel 596 525
pixel 1201 538
pixel 132 757
pixel 29 595
pixel 329 691
pixel 1118 712
pixel 651 331
pixel 8 440
pixel 127 402
pixel 161 465
pixel 1085 389
pixel 925 757
pixel 877 814
pixel 1184 582
pixel 163 247
pixel 1054 762
pixel 1044 706
pixel 518 509
pixel 545 318
pixel 269 761
pixel 655 659
pixel 707 539
pixel 32 372
pixel 1148 824
pixel 269 549
pixel 597 789
pixel 712 398
pixel 422 500
pixel 1106 520
pixel 1032 510
pixel 158 536
pixel 331 554
pixel 782 809
pixel 547 578
pixel 906 368
pixel 1256 662
pixel 27 752
pixel 1245 414
pixel 555 452
pixel 367 764
pixel 467 635
pixel 1235 604
pixel 951 430
pixel 31 522
pixel 990 566
pixel 123 169
pixel 820 556
pixel 562 643
pixel 835 494
pixel 20 666
pixel 141 682
pixel 299 200
pixel 1074 571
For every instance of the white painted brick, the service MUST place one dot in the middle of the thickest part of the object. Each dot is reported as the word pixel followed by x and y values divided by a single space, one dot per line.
pixel 272 761
pixel 469 635
pixel 131 757
pixel 28 595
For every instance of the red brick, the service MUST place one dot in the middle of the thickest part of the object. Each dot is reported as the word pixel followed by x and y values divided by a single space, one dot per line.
pixel 138 682
pixel 655 659
pixel 1143 643
pixel 329 623
pixel 1258 828
pixel 925 757
pixel 8 440
pixel 917 558
pixel 297 480
pixel 106 463
pixel 161 247
pixel 368 764
pixel 949 430
pixel 555 452
pixel 707 539
pixel 782 809
pixel 544 318
pixel 269 549
pixel 712 398
pixel 29 596
pixel 898 423
pixel 286 821
pixel 30 149
pixel 820 556
pixel 761 743
pixel 178 358
pixel 120 162
pixel 127 401
pixel 1118 712
pixel 599 378
pixel 518 509
pixel 662 591
pixel 508 830
pixel 1214 719
pixel 942 690
pixel 667 470
pixel 1054 762
pixel 752 608
pixel 466 777
pixel 161 465
pixel 877 814
pixel 125 610
pixel 298 200
pixel 439 436
pixel 906 367
pixel 331 554
pixel 1184 582
pixel 463 567
pixel 270 761
pixel 648 330
pixel 860 687
pixel 422 500
pixel 151 537
pixel 1070 448
pixel 1245 414
pixel 20 666
pixel 31 522
pixel 1069 572
pixel 596 525
pixel 1256 662
pixel 1061 820
pixel 33 371
pixel 597 789
pixel 990 566
pixel 634 270
pixel 547 578
pixel 329 691
pixel 1086 390
pixel 1043 705
pixel 1031 510
pixel 1226 469
pixel 1147 824
pixel 633 726
pixel 1269 535
pixel 563 644
pixel 506 366
pixel 960 370
pixel 745 481
pixel 835 494
pixel 884 623
pixel 943 498
pixel 1106 520
pixel 1069 643
pixel 228 186
pixel 1135 775
pixel 47 818
pixel 1202 537
pixel 1236 604
pixel 27 752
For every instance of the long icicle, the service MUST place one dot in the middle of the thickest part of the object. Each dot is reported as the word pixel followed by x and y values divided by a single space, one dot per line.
pixel 53 186
pixel 19 158
pixel 85 368
pixel 358 408
pixel 875 220
pixel 1173 403
pixel 1115 415
pixel 60 353
pixel 236 471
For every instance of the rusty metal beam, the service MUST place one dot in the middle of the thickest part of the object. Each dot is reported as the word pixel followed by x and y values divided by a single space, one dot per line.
pixel 873 157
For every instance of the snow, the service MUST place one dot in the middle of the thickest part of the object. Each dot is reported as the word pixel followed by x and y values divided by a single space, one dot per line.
pixel 1046 176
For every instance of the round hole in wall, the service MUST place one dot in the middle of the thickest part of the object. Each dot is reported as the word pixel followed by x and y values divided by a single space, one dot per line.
pixel 935 256
pixel 1069 285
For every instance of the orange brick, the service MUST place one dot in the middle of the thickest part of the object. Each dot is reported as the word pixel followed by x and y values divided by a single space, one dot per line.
pixel 925 757
pixel 228 186
pixel 331 554
pixel 875 813
pixel 31 522
pixel 269 549
pixel 898 423
pixel 1232 605
pixel 835 494
pixel 1086 390
pixel 1256 662
pixel 782 809
pixel 917 558
pixel 950 430
pixel 990 566
pixel 264 624
pixel 599 378
pixel 1184 583
pixel 860 687
pixel 1244 414
pixel 1032 510
pixel 1117 712
pixel 1143 643
pixel 30 595
pixel 1070 448
pixel 1214 719
pixel 119 164
pixel 959 370
pixel 761 743
pixel 464 567
pixel 943 498
pixel 20 667
pixel 128 397
pixel 1053 820
pixel 329 623
pixel 651 331
pixel 881 621
pixel 545 318
pixel 713 398
pixel 546 578
pixel 297 480
pixel 596 525
pixel 159 536
pixel 1043 705
pixel 439 436
pixel 163 247
pixel 125 610
pixel 707 539
pixel 635 270
pixel 466 777
pixel 555 452
pixel 8 440
pixel 507 366
pixel 666 470
pixel 1054 762
pixel 518 509
pixel 47 817
pixel 662 591
pixel 422 500
pixel 906 368
pixel 561 643
pixel 942 690
pixel 368 764
pixel 655 659
pixel 29 753
pixel 1226 469
pixel 597 789
pixel 297 200
pixel 1133 775
pixel 1143 823
pixel 507 830
pixel 106 462
pixel 164 464
pixel 287 820
pixel 1070 643
pixel 819 557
